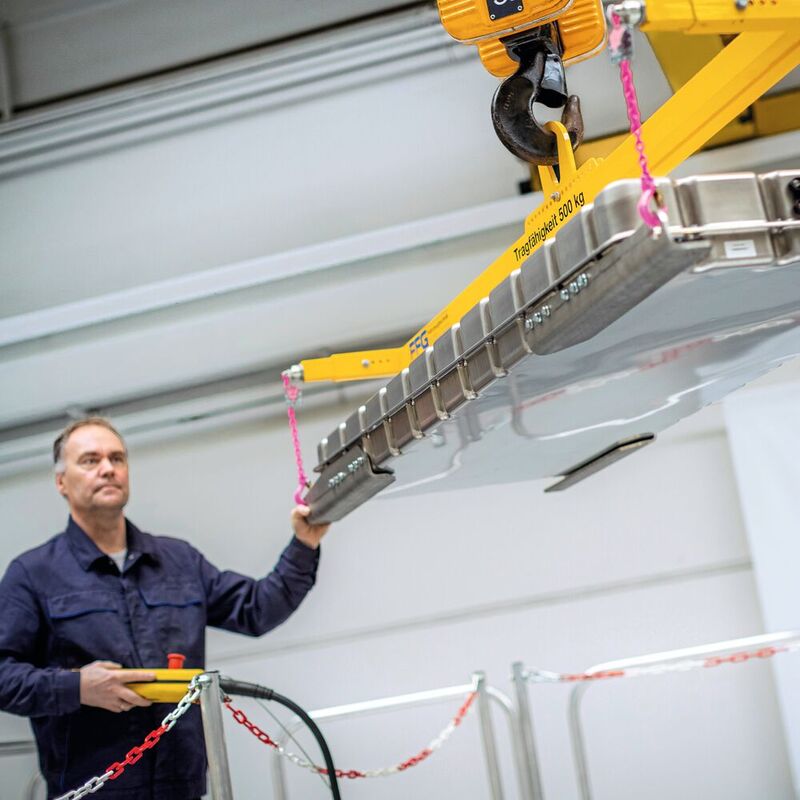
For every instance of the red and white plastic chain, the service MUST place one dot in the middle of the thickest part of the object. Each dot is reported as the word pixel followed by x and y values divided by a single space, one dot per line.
pixel 620 47
pixel 292 393
pixel 445 734
pixel 113 771
pixel 684 665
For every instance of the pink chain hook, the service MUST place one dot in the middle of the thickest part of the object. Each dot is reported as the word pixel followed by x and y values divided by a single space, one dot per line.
pixel 621 47
pixel 292 393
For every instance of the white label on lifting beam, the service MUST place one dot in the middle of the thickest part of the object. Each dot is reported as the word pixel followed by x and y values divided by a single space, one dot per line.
pixel 740 248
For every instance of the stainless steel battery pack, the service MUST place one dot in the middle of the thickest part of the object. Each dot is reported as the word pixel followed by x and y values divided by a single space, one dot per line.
pixel 605 336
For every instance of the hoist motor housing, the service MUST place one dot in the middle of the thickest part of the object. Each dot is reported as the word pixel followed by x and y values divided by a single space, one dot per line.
pixel 469 21
pixel 489 23
pixel 581 29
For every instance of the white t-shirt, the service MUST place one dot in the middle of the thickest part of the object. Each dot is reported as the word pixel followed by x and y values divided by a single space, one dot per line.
pixel 119 558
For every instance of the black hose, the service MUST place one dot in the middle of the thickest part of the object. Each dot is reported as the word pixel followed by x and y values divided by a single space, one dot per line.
pixel 231 686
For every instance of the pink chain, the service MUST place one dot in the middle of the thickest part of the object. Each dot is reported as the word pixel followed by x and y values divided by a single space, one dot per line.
pixel 292 393
pixel 620 45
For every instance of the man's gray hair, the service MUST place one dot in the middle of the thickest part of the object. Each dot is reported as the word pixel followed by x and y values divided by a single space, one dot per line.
pixel 61 439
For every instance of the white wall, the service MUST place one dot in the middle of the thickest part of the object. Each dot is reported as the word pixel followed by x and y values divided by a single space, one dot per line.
pixel 258 184
pixel 763 428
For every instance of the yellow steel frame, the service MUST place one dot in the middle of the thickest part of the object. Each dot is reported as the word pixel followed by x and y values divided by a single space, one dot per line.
pixel 766 48
pixel 778 113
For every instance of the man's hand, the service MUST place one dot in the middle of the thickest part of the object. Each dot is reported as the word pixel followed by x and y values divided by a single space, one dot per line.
pixel 103 686
pixel 308 534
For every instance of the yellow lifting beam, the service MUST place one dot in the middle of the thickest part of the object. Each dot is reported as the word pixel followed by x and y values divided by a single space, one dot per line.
pixel 766 48
pixel 769 116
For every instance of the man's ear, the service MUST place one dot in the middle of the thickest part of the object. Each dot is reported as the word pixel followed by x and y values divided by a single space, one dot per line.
pixel 60 484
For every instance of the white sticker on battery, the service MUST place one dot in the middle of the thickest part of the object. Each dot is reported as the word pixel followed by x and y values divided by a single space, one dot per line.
pixel 740 248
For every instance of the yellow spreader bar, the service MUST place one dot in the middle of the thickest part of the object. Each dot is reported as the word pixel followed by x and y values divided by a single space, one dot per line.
pixel 766 49
pixel 355 366
pixel 169 686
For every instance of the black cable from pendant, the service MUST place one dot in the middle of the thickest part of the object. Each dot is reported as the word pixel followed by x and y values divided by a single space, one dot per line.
pixel 245 689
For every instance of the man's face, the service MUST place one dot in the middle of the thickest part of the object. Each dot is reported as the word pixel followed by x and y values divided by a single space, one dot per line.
pixel 95 476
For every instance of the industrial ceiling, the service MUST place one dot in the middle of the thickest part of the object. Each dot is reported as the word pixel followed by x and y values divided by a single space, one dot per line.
pixel 58 49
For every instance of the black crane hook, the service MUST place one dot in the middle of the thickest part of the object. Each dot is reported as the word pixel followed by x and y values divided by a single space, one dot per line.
pixel 539 79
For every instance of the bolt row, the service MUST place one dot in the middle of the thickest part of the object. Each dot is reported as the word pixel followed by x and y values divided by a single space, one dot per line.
pixel 537 318
pixel 574 287
pixel 352 467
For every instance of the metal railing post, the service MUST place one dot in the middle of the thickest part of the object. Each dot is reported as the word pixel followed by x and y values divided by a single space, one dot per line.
pixel 219 775
pixel 517 747
pixel 578 743
pixel 278 775
pixel 530 778
pixel 487 736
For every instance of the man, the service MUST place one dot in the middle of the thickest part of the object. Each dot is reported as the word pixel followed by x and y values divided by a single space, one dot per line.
pixel 103 595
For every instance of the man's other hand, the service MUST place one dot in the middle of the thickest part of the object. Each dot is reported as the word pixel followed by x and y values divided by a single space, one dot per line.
pixel 103 686
pixel 308 534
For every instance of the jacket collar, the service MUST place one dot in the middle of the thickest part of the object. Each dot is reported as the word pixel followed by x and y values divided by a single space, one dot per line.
pixel 88 553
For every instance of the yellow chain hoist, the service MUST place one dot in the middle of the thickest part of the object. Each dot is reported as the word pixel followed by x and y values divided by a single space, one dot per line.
pixel 529 44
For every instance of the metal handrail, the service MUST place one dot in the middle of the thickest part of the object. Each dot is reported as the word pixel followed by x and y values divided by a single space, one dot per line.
pixel 651 660
pixel 486 696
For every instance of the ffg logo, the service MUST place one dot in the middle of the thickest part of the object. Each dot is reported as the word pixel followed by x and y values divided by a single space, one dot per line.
pixel 419 342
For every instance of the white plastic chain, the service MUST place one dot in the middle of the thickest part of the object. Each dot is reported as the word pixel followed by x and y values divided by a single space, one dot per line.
pixel 299 761
pixel 184 704
pixel 435 744
pixel 684 665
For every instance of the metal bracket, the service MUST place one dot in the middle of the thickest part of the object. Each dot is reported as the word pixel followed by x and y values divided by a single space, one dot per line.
pixel 345 484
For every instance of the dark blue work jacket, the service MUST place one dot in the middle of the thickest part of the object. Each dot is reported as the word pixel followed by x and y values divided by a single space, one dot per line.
pixel 65 604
